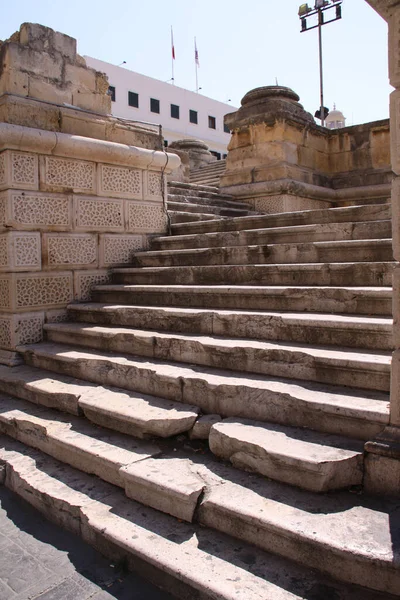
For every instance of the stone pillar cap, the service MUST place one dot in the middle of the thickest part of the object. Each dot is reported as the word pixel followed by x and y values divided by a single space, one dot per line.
pixel 189 144
pixel 268 104
pixel 269 91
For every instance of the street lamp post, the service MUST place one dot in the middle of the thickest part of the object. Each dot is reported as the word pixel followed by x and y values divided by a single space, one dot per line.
pixel 320 8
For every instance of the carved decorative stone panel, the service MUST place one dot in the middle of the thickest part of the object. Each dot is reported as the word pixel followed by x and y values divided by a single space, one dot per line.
pixel 65 174
pixel 118 249
pixel 98 214
pixel 121 182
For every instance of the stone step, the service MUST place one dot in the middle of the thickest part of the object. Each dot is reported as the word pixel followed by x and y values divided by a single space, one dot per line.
pixel 373 212
pixel 185 217
pixel 139 415
pixel 338 330
pixel 72 440
pixel 353 300
pixel 196 189
pixel 341 251
pixel 208 209
pixel 362 369
pixel 193 561
pixel 207 180
pixel 111 456
pixel 332 409
pixel 297 234
pixel 213 200
pixel 309 460
pixel 366 274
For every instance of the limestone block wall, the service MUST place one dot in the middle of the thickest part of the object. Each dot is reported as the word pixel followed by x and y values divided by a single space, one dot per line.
pixel 70 209
pixel 279 159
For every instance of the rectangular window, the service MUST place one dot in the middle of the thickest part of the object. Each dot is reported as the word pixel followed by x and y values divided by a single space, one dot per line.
pixel 111 92
pixel 165 143
pixel 174 111
pixel 155 105
pixel 193 116
pixel 226 128
pixel 216 154
pixel 212 122
pixel 133 99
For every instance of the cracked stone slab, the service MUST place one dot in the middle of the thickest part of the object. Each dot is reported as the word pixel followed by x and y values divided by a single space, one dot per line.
pixel 356 413
pixel 201 429
pixel 167 484
pixel 355 368
pixel 303 458
pixel 137 414
pixel 72 441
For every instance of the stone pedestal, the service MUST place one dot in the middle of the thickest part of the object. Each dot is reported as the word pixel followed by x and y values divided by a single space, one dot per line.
pixel 198 151
pixel 71 206
pixel 275 153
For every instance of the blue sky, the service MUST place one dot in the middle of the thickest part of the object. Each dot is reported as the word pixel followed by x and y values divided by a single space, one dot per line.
pixel 241 46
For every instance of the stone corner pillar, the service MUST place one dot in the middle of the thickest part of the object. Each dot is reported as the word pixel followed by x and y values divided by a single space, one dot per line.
pixel 198 152
pixel 382 455
pixel 278 157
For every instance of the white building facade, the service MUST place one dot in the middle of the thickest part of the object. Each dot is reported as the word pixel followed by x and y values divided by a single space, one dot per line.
pixel 182 113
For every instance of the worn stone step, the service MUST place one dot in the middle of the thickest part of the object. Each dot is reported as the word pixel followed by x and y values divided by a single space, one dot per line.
pixel 347 367
pixel 341 251
pixel 193 561
pixel 185 217
pixel 310 460
pixel 353 300
pixel 344 411
pixel 208 209
pixel 196 189
pixel 139 415
pixel 73 441
pixel 308 274
pixel 278 235
pixel 213 200
pixel 373 212
pixel 338 330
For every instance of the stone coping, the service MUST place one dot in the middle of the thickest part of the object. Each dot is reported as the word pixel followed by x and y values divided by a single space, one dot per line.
pixel 17 137
pixel 289 186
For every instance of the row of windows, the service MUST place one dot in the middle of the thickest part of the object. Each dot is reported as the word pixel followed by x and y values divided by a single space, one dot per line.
pixel 133 100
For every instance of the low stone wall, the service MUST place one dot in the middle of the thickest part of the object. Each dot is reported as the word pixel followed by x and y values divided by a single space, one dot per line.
pixel 70 208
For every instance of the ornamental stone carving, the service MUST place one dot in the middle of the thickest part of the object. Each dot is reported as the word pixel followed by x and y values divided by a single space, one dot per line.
pixel 146 217
pixel 70 249
pixel 118 249
pixel 96 214
pixel 35 210
pixel 65 174
pixel 85 281
pixel 121 182
pixel 18 170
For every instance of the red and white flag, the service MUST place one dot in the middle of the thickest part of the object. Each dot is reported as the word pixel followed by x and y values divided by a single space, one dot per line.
pixel 172 44
pixel 196 54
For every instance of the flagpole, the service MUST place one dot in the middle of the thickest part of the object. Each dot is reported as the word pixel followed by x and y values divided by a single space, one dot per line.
pixel 172 57
pixel 196 63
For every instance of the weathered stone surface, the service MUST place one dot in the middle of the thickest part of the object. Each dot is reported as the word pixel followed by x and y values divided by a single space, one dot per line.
pixel 179 557
pixel 170 485
pixel 318 363
pixel 356 413
pixel 338 330
pixel 202 427
pixel 69 440
pixel 136 414
pixel 355 300
pixel 303 458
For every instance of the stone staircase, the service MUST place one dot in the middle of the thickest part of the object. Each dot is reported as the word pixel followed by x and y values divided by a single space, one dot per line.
pixel 203 419
pixel 188 202
pixel 208 174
